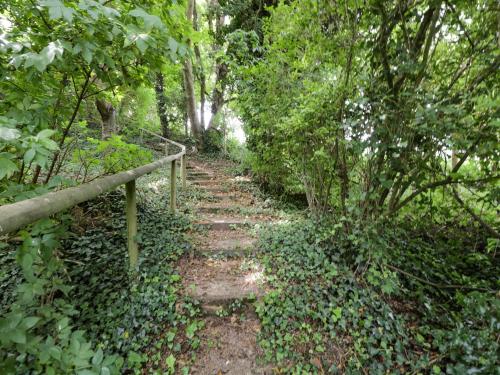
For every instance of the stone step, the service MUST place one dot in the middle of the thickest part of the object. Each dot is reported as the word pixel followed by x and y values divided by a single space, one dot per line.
pixel 199 172
pixel 228 248
pixel 229 346
pixel 200 178
pixel 218 284
pixel 212 183
pixel 214 189
pixel 230 243
pixel 223 224
pixel 217 209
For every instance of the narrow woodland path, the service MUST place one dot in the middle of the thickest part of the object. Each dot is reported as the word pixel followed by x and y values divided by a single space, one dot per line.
pixel 221 272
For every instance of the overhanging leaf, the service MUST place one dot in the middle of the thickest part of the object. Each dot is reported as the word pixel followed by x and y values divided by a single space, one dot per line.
pixel 150 20
pixel 8 134
pixel 7 168
pixel 58 10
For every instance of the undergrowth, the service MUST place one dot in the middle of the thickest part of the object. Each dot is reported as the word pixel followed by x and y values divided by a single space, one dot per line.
pixel 75 307
pixel 127 312
pixel 337 305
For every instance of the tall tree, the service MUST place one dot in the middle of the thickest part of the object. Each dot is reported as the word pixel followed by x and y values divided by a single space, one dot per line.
pixel 161 104
pixel 221 68
pixel 189 90
pixel 200 70
pixel 108 118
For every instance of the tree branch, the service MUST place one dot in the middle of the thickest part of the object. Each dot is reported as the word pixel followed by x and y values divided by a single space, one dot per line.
pixel 448 180
pixel 486 227
pixel 436 285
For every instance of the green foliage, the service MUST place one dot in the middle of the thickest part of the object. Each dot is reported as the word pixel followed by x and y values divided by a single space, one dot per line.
pixel 240 154
pixel 112 155
pixel 359 104
pixel 74 50
pixel 123 313
pixel 36 332
pixel 32 150
pixel 336 306
pixel 212 141
pixel 128 313
pixel 138 110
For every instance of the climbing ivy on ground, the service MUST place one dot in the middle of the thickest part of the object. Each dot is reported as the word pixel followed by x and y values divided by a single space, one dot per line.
pixel 37 334
pixel 79 309
pixel 334 306
pixel 127 312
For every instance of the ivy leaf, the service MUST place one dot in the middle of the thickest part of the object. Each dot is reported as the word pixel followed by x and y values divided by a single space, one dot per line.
pixel 30 321
pixel 87 372
pixel 55 352
pixel 27 266
pixel 337 313
pixel 58 10
pixel 170 361
pixel 134 357
pixel 191 329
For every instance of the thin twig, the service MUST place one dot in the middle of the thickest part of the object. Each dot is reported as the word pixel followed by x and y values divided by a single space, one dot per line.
pixel 436 285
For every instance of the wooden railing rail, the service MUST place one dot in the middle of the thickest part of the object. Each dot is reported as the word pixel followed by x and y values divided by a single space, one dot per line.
pixel 17 215
pixel 179 145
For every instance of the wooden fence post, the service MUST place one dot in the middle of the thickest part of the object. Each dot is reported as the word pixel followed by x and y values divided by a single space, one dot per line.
pixel 183 170
pixel 173 178
pixel 133 252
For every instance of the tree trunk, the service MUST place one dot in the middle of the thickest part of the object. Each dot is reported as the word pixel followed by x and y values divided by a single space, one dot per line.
pixel 218 91
pixel 454 159
pixel 200 71
pixel 221 71
pixel 161 104
pixel 196 129
pixel 108 116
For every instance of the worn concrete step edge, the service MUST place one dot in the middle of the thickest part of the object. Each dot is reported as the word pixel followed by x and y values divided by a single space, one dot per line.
pixel 223 253
pixel 225 308
pixel 216 210
pixel 201 178
pixel 241 242
pixel 211 189
pixel 210 183
pixel 225 225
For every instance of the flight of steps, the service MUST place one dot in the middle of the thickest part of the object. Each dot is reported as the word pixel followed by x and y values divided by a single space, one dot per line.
pixel 222 273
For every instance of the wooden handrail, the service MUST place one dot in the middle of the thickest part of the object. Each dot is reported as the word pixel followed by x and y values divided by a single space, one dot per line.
pixel 183 157
pixel 181 146
pixel 17 215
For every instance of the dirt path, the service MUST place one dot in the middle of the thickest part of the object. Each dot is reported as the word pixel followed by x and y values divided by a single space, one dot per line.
pixel 221 272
